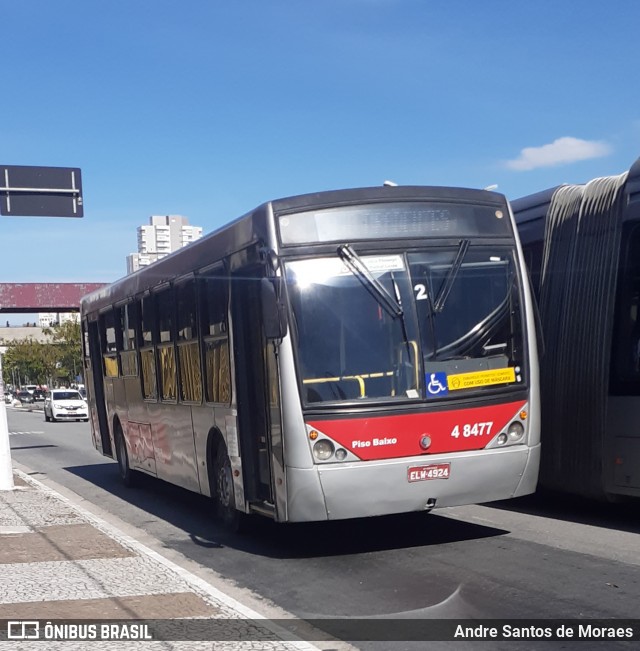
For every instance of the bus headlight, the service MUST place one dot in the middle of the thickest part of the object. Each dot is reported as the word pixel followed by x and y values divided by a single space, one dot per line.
pixel 341 454
pixel 323 449
pixel 515 431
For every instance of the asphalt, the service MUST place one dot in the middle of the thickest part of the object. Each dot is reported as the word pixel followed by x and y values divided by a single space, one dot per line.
pixel 66 574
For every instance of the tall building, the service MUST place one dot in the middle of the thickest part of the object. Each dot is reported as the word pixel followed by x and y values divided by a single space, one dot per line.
pixel 163 235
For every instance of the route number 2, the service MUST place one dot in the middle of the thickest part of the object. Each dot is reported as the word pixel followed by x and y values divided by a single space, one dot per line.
pixel 421 292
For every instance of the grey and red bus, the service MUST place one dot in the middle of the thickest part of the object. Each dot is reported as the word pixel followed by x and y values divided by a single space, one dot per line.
pixel 333 355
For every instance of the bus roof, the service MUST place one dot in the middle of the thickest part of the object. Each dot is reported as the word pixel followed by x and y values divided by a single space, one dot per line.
pixel 384 193
pixel 254 227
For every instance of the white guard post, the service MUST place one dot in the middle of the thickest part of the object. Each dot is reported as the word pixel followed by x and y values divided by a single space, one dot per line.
pixel 6 469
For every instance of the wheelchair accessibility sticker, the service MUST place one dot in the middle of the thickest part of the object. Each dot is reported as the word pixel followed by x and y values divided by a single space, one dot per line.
pixel 436 385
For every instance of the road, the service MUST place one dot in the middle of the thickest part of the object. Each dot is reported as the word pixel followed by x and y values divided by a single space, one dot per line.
pixel 530 558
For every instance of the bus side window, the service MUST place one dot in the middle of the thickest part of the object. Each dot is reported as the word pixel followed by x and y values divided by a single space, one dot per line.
pixel 148 337
pixel 128 356
pixel 85 341
pixel 213 301
pixel 188 345
pixel 166 351
pixel 108 343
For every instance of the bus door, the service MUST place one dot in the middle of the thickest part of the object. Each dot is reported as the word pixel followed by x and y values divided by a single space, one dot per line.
pixel 96 387
pixel 253 384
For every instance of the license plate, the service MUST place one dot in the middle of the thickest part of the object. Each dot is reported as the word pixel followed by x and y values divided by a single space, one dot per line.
pixel 433 471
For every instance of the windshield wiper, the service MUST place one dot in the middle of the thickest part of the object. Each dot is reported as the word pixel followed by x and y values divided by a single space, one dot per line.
pixel 445 288
pixel 403 323
pixel 359 269
pixel 480 334
pixel 393 306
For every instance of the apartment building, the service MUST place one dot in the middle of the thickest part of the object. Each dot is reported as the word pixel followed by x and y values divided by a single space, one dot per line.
pixel 161 236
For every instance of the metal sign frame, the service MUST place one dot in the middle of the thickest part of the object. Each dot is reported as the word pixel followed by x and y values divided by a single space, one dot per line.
pixel 40 191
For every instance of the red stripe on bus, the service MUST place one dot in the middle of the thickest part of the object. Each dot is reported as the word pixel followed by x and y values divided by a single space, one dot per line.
pixel 388 437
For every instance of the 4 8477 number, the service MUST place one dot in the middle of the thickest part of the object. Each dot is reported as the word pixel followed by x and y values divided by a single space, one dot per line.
pixel 472 429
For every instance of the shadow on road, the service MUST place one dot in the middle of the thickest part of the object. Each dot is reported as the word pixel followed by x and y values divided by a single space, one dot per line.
pixel 192 513
pixel 570 508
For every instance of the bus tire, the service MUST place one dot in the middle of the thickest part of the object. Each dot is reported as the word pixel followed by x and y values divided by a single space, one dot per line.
pixel 224 494
pixel 127 475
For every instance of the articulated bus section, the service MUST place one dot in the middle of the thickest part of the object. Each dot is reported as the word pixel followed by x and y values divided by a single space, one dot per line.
pixel 582 246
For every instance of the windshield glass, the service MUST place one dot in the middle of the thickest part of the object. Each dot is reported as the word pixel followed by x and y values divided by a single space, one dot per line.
pixel 469 317
pixel 440 323
pixel 349 346
pixel 66 395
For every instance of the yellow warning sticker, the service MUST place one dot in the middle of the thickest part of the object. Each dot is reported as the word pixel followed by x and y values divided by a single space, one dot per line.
pixel 481 378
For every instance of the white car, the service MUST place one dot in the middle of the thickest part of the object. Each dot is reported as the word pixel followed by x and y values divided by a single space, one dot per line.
pixel 65 404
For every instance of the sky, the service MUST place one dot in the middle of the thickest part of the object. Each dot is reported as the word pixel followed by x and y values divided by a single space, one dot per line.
pixel 208 108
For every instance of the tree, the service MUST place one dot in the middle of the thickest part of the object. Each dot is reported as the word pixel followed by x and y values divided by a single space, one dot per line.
pixel 29 360
pixel 67 342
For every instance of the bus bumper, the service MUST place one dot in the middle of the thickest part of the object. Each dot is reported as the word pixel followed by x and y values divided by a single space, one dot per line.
pixel 353 490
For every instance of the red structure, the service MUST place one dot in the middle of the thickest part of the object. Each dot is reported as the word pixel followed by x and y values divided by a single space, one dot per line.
pixel 43 297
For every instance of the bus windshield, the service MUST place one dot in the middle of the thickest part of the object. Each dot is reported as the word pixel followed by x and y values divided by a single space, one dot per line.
pixel 349 345
pixel 458 314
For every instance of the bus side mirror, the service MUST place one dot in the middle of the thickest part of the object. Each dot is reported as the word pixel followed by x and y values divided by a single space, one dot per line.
pixel 274 317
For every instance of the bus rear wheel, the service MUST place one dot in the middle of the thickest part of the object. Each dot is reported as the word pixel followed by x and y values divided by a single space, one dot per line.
pixel 224 494
pixel 126 474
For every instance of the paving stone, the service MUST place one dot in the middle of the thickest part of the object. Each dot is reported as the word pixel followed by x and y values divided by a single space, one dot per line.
pixel 157 606
pixel 86 579
pixel 37 509
pixel 59 543
pixel 58 564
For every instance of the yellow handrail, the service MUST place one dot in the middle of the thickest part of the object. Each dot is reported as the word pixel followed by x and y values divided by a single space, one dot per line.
pixel 357 378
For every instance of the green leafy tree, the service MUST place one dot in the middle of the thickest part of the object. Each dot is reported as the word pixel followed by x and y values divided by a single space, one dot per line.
pixel 28 360
pixel 66 340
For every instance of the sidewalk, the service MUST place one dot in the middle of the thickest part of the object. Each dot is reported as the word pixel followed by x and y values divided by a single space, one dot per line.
pixel 60 562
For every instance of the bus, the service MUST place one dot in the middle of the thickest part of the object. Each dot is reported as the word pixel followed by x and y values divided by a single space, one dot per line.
pixel 335 355
pixel 582 246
